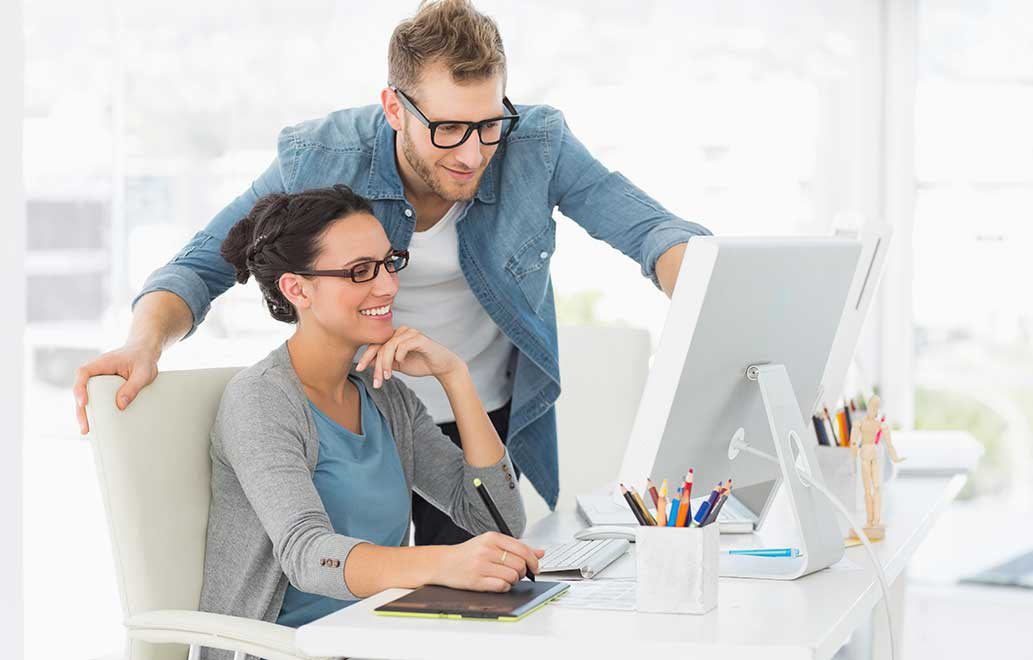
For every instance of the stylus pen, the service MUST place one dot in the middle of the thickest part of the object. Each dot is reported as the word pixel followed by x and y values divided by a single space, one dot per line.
pixel 494 511
pixel 634 507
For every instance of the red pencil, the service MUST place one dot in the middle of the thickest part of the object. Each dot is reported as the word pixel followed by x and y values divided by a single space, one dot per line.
pixel 687 487
pixel 651 489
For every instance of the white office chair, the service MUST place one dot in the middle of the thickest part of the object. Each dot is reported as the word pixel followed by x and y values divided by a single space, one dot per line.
pixel 603 369
pixel 154 472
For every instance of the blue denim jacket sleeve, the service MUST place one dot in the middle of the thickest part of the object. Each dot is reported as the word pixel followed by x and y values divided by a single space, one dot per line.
pixel 609 206
pixel 198 274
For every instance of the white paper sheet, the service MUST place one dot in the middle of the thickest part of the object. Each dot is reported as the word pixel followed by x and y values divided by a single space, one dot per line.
pixel 599 595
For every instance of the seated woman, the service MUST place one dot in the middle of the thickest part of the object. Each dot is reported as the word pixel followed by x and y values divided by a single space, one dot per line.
pixel 314 461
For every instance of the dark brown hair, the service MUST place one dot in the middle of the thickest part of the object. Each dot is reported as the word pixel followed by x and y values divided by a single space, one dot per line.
pixel 281 234
pixel 452 32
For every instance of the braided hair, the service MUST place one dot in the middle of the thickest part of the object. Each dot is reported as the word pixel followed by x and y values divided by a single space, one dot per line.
pixel 281 234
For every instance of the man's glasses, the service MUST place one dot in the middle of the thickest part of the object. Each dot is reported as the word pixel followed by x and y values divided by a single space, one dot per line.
pixel 366 270
pixel 452 133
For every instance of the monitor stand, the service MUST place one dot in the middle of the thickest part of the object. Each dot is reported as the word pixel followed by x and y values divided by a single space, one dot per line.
pixel 820 542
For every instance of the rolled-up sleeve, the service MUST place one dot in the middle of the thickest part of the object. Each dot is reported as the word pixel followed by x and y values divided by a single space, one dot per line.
pixel 198 273
pixel 609 206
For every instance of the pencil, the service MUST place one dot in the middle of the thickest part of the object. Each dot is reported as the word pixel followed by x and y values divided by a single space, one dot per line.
pixel 704 508
pixel 632 505
pixel 642 505
pixel 819 431
pixel 672 517
pixel 661 505
pixel 688 484
pixel 832 427
pixel 716 509
pixel 496 515
pixel 683 509
pixel 651 489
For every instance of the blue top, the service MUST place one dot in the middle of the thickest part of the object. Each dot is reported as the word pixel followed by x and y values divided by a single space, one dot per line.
pixel 360 480
pixel 506 239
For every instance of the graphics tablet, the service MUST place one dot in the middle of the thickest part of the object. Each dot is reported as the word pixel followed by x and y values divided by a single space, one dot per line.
pixel 434 601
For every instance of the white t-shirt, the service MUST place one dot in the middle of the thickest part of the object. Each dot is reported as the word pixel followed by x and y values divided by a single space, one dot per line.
pixel 434 298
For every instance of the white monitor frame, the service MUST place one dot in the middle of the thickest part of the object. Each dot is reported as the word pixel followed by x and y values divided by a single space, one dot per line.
pixel 739 303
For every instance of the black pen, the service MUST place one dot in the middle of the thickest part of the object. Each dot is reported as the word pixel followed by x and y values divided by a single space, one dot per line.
pixel 494 511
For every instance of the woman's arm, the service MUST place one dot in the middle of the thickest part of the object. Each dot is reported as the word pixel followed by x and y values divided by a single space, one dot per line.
pixel 441 473
pixel 257 435
pixel 481 444
pixel 488 562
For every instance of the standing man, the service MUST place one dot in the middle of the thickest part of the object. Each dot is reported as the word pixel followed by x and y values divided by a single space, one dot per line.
pixel 467 182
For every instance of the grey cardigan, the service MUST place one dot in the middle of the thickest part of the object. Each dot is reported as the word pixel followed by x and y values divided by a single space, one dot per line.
pixel 266 523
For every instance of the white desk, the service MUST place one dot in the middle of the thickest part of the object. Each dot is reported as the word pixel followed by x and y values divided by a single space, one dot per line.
pixel 804 619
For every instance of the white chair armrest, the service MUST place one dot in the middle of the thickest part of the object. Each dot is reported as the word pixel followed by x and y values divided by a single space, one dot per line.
pixel 217 631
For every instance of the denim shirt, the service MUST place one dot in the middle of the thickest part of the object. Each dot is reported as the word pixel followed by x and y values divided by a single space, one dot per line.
pixel 506 239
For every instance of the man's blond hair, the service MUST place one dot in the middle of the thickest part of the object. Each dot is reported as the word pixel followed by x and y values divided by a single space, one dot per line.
pixel 451 32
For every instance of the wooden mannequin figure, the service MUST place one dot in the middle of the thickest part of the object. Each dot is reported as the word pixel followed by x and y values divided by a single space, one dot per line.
pixel 867 432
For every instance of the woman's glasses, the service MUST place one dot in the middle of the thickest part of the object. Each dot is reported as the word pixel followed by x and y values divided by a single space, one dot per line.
pixel 365 271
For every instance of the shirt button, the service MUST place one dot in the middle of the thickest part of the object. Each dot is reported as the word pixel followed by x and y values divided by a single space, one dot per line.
pixel 544 255
pixel 512 485
pixel 322 562
pixel 408 213
pixel 337 563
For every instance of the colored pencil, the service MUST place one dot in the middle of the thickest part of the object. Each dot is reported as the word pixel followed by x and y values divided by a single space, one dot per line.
pixel 661 505
pixel 632 505
pixel 645 511
pixel 672 518
pixel 651 489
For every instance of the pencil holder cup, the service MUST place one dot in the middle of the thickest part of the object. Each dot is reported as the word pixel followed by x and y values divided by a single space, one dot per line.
pixel 839 468
pixel 677 569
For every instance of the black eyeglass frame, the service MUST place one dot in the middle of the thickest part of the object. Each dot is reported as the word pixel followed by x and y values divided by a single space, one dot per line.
pixel 350 272
pixel 471 126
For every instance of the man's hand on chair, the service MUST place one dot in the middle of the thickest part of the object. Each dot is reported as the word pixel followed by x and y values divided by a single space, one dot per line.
pixel 138 364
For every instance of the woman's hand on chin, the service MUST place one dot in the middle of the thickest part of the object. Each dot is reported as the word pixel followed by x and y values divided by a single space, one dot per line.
pixel 412 353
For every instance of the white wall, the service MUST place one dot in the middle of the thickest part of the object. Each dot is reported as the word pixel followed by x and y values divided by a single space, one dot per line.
pixel 12 274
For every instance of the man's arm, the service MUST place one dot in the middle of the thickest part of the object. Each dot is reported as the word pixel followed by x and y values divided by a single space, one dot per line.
pixel 667 267
pixel 611 208
pixel 160 319
pixel 173 302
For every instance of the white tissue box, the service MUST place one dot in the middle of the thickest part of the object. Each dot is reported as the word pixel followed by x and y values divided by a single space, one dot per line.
pixel 677 569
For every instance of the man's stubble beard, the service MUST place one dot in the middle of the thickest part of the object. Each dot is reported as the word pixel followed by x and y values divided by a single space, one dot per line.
pixel 426 173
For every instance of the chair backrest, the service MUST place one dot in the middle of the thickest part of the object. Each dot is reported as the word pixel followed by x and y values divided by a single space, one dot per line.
pixel 604 369
pixel 154 472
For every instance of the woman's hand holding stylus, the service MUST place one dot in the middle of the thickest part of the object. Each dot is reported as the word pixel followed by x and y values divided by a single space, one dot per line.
pixel 487 562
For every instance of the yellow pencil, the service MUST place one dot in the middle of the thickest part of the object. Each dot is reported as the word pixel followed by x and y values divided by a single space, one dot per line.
pixel 661 505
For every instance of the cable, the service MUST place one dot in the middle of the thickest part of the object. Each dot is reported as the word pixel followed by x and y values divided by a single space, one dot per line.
pixel 858 531
pixel 871 555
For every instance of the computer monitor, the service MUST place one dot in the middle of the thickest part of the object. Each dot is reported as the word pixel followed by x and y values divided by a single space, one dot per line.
pixel 742 303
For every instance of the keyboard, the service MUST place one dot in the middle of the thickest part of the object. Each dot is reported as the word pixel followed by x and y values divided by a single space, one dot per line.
pixel 1017 572
pixel 585 557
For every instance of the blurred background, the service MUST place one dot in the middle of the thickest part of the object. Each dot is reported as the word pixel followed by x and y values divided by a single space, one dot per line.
pixel 143 119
